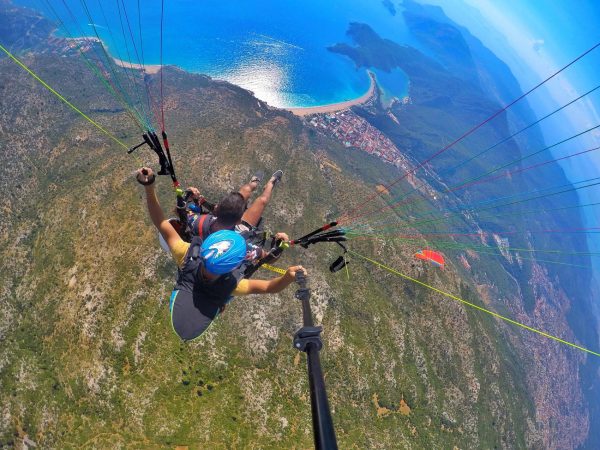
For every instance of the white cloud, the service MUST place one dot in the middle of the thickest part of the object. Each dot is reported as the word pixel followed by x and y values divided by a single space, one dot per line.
pixel 537 45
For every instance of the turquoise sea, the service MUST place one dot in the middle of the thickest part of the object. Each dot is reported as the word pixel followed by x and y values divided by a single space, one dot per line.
pixel 275 48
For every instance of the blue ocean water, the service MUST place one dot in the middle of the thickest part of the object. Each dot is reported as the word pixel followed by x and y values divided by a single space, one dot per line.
pixel 277 49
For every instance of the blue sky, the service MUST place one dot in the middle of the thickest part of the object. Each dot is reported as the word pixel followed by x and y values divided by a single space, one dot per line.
pixel 535 38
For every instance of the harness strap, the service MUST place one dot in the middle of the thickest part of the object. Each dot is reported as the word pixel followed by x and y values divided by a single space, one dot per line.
pixel 199 226
pixel 195 252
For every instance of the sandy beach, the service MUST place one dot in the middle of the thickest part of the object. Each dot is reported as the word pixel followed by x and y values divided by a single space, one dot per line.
pixel 333 107
pixel 148 68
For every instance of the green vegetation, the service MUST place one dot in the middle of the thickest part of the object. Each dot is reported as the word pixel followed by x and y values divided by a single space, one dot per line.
pixel 89 358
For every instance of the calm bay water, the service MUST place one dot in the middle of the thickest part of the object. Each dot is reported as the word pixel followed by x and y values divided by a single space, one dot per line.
pixel 277 49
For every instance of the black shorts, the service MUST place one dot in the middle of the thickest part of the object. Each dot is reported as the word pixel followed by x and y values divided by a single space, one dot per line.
pixel 187 320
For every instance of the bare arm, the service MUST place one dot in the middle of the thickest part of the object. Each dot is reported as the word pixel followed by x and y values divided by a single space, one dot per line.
pixel 276 284
pixel 156 213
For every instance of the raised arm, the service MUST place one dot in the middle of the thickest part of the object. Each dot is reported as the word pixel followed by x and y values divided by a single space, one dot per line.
pixel 146 177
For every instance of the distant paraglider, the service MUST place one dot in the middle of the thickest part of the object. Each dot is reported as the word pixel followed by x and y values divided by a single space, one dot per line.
pixel 435 258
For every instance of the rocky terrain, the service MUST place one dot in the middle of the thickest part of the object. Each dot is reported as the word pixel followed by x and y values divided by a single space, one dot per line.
pixel 88 358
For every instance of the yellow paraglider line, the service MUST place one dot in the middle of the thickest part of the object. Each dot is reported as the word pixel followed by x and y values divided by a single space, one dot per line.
pixel 273 269
pixel 479 308
pixel 86 117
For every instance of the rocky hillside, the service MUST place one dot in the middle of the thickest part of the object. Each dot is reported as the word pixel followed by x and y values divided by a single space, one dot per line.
pixel 88 358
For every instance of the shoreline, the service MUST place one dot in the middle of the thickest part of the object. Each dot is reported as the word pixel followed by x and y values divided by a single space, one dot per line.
pixel 301 111
pixel 340 106
pixel 150 69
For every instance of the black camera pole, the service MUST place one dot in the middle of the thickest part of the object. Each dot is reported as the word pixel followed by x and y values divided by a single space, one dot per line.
pixel 308 339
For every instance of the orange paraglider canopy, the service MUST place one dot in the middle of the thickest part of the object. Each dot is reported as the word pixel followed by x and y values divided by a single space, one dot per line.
pixel 435 258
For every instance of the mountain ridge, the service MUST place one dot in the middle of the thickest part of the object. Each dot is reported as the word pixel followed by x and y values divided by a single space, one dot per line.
pixel 91 358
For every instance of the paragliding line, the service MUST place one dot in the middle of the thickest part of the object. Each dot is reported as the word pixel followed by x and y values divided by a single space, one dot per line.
pixel 348 216
pixel 460 247
pixel 401 202
pixel 407 235
pixel 470 181
pixel 457 212
pixel 109 60
pixel 347 270
pixel 481 178
pixel 129 59
pixel 162 101
pixel 453 169
pixel 112 89
pixel 273 268
pixel 470 210
pixel 86 117
pixel 140 60
pixel 479 308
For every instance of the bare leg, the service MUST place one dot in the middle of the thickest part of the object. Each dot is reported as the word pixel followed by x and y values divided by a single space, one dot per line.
pixel 247 189
pixel 255 211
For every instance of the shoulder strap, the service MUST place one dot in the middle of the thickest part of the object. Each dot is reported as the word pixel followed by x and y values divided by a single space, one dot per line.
pixel 187 273
pixel 194 250
pixel 202 226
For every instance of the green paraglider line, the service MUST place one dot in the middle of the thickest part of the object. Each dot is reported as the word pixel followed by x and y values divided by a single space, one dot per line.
pixel 116 49
pixel 113 90
pixel 502 141
pixel 82 114
pixel 109 60
pixel 455 233
pixel 472 305
pixel 474 207
pixel 140 61
pixel 518 160
pixel 525 258
pixel 470 209
pixel 460 247
pixel 349 217
pixel 481 179
pixel 136 87
pixel 148 94
pixel 512 203
pixel 396 205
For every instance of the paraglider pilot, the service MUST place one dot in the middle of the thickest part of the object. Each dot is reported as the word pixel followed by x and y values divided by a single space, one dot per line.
pixel 209 274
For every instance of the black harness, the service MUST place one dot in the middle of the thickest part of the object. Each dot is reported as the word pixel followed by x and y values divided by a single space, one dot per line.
pixel 210 297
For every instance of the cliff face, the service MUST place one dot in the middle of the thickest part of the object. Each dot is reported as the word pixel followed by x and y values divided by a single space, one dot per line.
pixel 88 356
pixel 445 102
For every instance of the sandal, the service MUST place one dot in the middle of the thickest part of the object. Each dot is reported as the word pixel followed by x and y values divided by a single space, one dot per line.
pixel 257 177
pixel 276 177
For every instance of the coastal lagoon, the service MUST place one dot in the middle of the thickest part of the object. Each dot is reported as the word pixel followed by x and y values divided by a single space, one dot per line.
pixel 276 49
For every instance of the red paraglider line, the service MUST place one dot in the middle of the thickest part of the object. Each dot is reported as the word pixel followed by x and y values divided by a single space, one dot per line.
pixel 405 235
pixel 162 102
pixel 348 217
pixel 405 202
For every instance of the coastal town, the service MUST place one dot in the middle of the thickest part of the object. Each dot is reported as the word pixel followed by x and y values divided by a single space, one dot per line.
pixel 353 131
pixel 337 120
